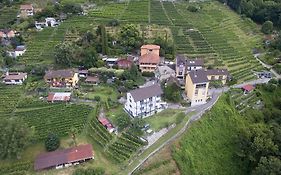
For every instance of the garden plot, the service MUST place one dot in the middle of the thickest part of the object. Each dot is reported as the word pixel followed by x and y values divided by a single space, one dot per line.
pixel 243 101
pixel 118 147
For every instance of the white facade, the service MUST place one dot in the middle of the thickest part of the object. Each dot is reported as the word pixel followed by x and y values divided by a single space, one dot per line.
pixel 15 79
pixel 144 108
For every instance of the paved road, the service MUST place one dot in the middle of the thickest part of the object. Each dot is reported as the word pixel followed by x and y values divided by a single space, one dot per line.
pixel 278 76
pixel 253 82
pixel 200 111
pixel 198 115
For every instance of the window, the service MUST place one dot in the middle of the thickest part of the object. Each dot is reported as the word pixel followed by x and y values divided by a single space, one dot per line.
pixel 180 73
pixel 150 99
pixel 200 85
pixel 196 92
pixel 17 80
pixel 212 77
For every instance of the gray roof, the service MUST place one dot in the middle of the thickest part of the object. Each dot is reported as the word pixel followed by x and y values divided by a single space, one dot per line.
pixel 182 60
pixel 146 92
pixel 65 73
pixel 198 76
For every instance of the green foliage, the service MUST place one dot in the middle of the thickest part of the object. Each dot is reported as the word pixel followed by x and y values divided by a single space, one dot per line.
pixel 14 137
pixel 167 47
pixel 89 171
pixel 130 37
pixel 148 74
pixel 97 98
pixel 52 142
pixel 267 27
pixel 268 165
pixel 172 92
pixel 192 8
pixel 123 121
pixel 208 144
pixel 259 11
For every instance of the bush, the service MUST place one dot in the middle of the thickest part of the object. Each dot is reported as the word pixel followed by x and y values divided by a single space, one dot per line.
pixel 148 74
pixel 52 142
pixel 267 27
pixel 114 23
pixel 192 8
pixel 97 98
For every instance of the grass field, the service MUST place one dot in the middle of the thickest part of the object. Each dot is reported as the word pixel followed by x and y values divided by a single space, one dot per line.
pixel 163 119
pixel 208 147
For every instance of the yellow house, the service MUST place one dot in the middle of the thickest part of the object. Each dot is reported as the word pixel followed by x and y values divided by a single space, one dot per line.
pixel 218 75
pixel 62 78
pixel 149 59
pixel 196 87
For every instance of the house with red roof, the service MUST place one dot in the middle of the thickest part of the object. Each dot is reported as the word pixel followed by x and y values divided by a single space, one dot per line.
pixel 149 59
pixel 59 97
pixel 64 158
pixel 124 63
pixel 248 88
pixel 106 123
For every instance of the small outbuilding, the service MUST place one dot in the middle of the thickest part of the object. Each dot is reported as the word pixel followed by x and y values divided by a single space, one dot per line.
pixel 64 158
pixel 248 88
pixel 92 80
pixel 59 97
pixel 14 78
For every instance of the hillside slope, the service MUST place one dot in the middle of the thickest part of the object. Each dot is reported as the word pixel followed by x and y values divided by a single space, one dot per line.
pixel 208 146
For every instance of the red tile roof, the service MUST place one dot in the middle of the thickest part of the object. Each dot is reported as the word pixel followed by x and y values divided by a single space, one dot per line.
pixel 26 7
pixel 52 159
pixel 248 87
pixel 150 46
pixel 149 58
pixel 59 96
pixel 104 121
pixel 124 63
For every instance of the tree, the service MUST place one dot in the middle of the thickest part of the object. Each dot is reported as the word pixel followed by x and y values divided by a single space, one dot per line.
pixel 268 165
pixel 52 142
pixel 130 37
pixel 63 54
pixel 123 121
pixel 104 40
pixel 254 142
pixel 267 27
pixel 172 92
pixel 14 137
pixel 73 132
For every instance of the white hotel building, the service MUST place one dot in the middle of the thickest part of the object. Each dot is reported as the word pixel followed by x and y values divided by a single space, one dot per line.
pixel 144 102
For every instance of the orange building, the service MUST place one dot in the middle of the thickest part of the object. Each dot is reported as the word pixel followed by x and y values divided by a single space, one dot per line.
pixel 150 58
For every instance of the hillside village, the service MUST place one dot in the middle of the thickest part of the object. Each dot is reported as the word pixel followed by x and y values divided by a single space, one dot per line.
pixel 111 93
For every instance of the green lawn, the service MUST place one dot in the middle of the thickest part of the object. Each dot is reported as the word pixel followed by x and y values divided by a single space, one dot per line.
pixel 208 147
pixel 163 119
pixel 104 92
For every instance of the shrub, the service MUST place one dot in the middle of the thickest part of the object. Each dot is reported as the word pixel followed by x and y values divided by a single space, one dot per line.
pixel 97 98
pixel 192 8
pixel 148 74
pixel 52 142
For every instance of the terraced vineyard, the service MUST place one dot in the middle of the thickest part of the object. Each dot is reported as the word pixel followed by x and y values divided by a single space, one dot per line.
pixel 56 119
pixel 215 33
pixel 120 148
pixel 243 102
pixel 9 97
